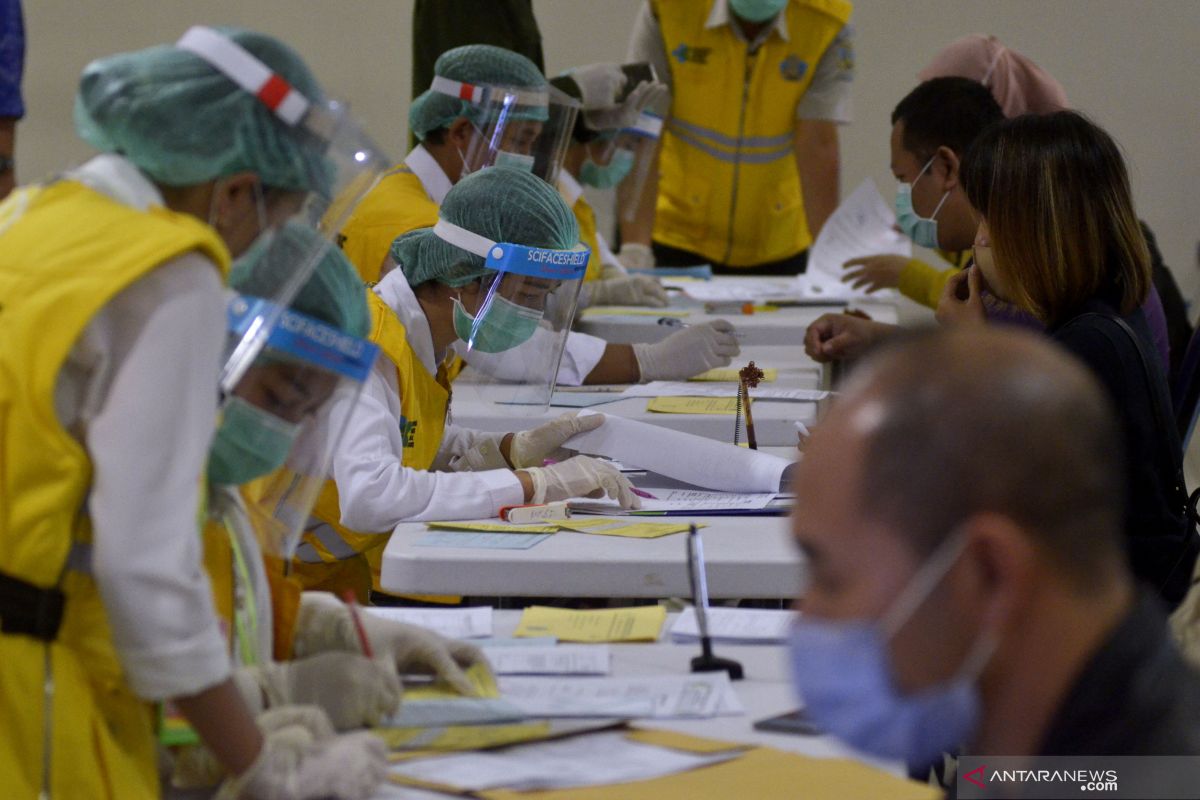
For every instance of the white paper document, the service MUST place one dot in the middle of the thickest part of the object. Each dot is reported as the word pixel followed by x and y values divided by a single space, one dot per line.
pixel 742 290
pixel 687 696
pixel 436 713
pixel 694 501
pixel 696 460
pixel 589 760
pixel 863 225
pixel 454 623
pixel 563 659
pixel 720 389
pixel 736 625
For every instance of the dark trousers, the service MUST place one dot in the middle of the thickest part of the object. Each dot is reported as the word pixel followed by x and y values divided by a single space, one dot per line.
pixel 667 256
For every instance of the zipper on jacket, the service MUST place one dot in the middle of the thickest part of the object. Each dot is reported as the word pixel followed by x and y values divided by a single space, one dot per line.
pixel 747 73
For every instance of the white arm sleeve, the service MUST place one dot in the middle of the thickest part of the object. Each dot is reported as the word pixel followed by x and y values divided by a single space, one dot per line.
pixel 829 96
pixel 143 381
pixel 580 357
pixel 377 491
pixel 457 440
pixel 646 43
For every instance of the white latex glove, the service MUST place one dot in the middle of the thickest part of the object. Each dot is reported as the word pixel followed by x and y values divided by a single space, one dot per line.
pixel 636 256
pixel 688 352
pixel 646 94
pixel 632 290
pixel 600 84
pixel 324 624
pixel 294 765
pixel 531 448
pixel 353 690
pixel 581 476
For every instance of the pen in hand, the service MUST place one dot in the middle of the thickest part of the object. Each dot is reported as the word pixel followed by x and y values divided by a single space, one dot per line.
pixel 352 603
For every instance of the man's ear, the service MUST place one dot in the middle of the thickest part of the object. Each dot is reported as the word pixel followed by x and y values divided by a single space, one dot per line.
pixel 951 164
pixel 1002 563
pixel 459 133
pixel 231 196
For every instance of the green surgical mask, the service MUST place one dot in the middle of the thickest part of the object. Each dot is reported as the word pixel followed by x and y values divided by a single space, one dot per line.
pixel 757 10
pixel 503 326
pixel 249 443
pixel 608 175
pixel 514 160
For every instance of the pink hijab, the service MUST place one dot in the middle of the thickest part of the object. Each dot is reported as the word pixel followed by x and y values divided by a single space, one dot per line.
pixel 1019 85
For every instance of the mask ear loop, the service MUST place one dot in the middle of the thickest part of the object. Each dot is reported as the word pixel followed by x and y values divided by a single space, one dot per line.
pixel 922 584
pixel 213 218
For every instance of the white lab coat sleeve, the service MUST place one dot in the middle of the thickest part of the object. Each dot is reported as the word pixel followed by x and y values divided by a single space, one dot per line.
pixel 156 348
pixel 580 357
pixel 612 267
pixel 376 490
pixel 457 440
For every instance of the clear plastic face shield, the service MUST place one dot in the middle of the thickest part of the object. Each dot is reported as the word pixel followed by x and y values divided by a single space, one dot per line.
pixel 512 324
pixel 281 423
pixel 339 160
pixel 526 129
pixel 640 141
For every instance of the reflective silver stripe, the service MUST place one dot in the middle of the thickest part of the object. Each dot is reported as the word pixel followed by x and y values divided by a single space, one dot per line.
pixel 333 541
pixel 744 157
pixel 308 554
pixel 728 141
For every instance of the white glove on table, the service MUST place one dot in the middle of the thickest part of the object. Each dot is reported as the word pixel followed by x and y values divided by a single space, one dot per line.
pixel 324 624
pixel 295 765
pixel 633 255
pixel 630 290
pixel 353 690
pixel 531 448
pixel 688 352
pixel 599 84
pixel 581 476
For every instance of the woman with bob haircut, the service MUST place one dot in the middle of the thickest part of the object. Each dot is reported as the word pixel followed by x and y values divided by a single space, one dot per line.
pixel 1058 236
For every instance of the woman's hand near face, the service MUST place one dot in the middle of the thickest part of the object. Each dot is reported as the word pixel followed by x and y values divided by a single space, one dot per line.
pixel 962 300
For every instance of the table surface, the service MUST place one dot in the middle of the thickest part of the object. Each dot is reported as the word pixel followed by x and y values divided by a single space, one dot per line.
pixel 766 691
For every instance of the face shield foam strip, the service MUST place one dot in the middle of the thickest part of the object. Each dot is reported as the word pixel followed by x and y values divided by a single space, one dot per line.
pixel 305 338
pixel 480 93
pixel 240 66
pixel 519 259
pixel 649 125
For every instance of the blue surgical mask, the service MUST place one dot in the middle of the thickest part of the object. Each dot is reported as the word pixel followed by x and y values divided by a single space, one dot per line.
pixel 757 10
pixel 502 325
pixel 843 672
pixel 249 443
pixel 922 230
pixel 515 160
pixel 608 175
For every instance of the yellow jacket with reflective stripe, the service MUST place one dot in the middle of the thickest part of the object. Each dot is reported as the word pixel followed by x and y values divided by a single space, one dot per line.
pixel 924 283
pixel 586 217
pixel 424 400
pixel 728 185
pixel 66 251
pixel 397 204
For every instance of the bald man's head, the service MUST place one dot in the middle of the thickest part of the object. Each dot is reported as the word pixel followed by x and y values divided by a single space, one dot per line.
pixel 951 424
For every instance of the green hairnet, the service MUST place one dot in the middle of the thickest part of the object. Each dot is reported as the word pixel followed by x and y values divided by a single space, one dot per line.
pixel 334 293
pixel 501 203
pixel 183 123
pixel 476 64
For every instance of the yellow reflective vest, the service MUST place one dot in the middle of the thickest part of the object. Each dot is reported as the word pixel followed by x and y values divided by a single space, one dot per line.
pixel 585 215
pixel 66 251
pixel 728 185
pixel 330 554
pixel 397 204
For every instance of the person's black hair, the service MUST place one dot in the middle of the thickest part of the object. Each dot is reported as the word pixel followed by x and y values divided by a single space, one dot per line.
pixel 947 112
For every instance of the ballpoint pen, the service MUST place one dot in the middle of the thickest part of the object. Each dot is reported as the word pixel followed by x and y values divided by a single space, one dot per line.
pixel 706 661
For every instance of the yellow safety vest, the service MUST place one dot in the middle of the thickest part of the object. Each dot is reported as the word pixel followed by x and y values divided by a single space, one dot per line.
pixel 586 218
pixel 397 204
pixel 728 185
pixel 66 251
pixel 328 549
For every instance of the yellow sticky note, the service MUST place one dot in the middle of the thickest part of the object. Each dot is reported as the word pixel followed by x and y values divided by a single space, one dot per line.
pixel 479 674
pixel 491 527
pixel 422 741
pixel 636 624
pixel 633 530
pixel 622 311
pixel 730 375
pixel 693 405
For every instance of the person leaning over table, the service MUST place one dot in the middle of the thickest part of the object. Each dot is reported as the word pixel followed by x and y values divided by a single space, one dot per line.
pixel 1058 237
pixel 748 165
pixel 451 129
pixel 997 614
pixel 113 327
pixel 399 458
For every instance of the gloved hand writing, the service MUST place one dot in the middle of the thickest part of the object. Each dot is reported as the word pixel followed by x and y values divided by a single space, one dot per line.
pixel 630 290
pixel 354 691
pixel 688 352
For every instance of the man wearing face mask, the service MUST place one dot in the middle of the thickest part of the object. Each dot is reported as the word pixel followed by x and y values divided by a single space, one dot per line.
pixel 993 614
pixel 481 277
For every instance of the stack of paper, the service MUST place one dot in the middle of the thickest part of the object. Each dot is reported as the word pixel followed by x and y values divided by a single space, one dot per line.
pixel 743 290
pixel 454 623
pixel 633 624
pixel 683 502
pixel 686 696
pixel 439 704
pixel 563 659
pixel 736 625
pixel 863 225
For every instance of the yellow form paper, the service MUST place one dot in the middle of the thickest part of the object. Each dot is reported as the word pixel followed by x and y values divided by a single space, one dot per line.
pixel 633 530
pixel 418 742
pixel 479 674
pixel 693 405
pixel 492 527
pixel 730 375
pixel 636 624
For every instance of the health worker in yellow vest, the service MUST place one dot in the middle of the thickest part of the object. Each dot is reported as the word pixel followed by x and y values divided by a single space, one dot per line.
pixel 408 197
pixel 748 167
pixel 113 329
pixel 295 648
pixel 504 244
